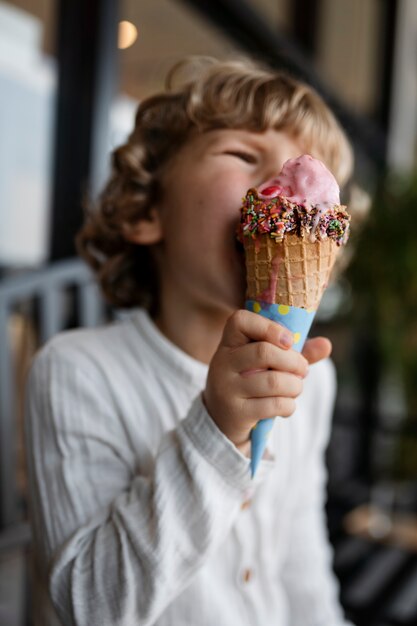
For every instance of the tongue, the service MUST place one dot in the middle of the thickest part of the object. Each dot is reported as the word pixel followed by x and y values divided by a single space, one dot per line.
pixel 270 192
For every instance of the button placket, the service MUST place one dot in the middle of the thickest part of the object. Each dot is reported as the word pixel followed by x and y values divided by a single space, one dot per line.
pixel 245 504
pixel 247 575
pixel 244 531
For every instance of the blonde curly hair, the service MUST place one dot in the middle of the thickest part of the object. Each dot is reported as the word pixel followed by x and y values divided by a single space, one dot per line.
pixel 202 94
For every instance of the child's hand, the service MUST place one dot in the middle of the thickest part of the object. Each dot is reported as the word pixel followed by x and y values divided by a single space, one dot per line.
pixel 254 375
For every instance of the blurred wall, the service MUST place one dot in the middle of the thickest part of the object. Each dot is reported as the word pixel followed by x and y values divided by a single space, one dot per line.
pixel 27 88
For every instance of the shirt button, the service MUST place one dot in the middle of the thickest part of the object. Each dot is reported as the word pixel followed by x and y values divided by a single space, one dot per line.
pixel 245 504
pixel 247 575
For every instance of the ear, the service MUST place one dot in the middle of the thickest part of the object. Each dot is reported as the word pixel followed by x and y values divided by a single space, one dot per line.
pixel 146 231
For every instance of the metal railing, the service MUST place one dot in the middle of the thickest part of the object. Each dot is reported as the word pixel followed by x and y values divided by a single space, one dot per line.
pixel 51 295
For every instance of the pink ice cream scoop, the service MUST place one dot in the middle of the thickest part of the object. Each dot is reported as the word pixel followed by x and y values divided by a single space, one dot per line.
pixel 305 181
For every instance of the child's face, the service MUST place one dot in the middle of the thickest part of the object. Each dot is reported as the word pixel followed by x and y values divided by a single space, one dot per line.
pixel 200 262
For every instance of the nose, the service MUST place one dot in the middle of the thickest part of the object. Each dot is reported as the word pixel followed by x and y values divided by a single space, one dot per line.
pixel 272 168
pixel 280 152
pixel 275 159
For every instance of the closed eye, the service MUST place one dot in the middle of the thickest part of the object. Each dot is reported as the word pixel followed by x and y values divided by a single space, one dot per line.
pixel 244 156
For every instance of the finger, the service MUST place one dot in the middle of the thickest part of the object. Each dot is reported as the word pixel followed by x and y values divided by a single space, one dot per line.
pixel 245 326
pixel 317 349
pixel 261 355
pixel 270 383
pixel 263 408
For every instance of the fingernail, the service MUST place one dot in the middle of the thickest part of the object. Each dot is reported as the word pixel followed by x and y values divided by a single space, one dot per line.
pixel 286 340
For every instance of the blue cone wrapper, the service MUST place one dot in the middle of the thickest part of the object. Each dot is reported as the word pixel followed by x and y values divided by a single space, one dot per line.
pixel 298 321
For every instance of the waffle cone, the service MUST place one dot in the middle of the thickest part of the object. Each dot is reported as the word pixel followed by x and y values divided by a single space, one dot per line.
pixel 295 271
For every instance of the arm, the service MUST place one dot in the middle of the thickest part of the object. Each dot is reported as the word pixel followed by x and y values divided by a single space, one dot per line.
pixel 120 547
pixel 307 572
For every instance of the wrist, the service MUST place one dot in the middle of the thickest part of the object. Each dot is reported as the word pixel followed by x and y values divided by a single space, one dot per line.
pixel 244 448
pixel 241 440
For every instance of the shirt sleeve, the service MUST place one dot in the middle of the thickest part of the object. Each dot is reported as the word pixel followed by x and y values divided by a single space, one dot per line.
pixel 119 547
pixel 308 577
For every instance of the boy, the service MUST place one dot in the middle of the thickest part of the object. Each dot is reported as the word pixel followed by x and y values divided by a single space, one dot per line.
pixel 138 433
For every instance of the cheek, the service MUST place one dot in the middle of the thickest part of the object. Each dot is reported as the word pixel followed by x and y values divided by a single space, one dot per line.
pixel 204 209
pixel 221 207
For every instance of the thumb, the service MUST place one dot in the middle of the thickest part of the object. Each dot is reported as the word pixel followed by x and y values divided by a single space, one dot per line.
pixel 317 349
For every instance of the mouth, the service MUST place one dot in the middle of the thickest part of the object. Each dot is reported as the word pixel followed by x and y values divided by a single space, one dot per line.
pixel 239 249
pixel 239 246
pixel 238 268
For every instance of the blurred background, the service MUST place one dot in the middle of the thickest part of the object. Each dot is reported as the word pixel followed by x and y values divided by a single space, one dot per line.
pixel 71 76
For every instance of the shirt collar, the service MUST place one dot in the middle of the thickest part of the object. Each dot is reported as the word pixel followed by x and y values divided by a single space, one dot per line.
pixel 181 364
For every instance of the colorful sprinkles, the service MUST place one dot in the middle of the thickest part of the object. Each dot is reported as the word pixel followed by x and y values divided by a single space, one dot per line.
pixel 278 216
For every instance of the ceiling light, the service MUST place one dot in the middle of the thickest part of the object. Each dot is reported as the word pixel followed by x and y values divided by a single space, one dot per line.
pixel 128 34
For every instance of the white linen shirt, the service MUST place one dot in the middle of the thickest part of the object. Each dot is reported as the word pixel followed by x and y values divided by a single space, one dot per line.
pixel 144 513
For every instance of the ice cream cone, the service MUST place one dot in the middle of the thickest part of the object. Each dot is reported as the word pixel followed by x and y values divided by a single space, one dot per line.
pixel 285 282
pixel 292 228
pixel 293 272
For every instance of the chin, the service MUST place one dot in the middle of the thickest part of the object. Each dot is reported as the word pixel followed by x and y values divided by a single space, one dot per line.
pixel 236 301
pixel 225 307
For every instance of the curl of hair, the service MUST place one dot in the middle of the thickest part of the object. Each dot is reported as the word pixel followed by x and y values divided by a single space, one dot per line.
pixel 202 94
